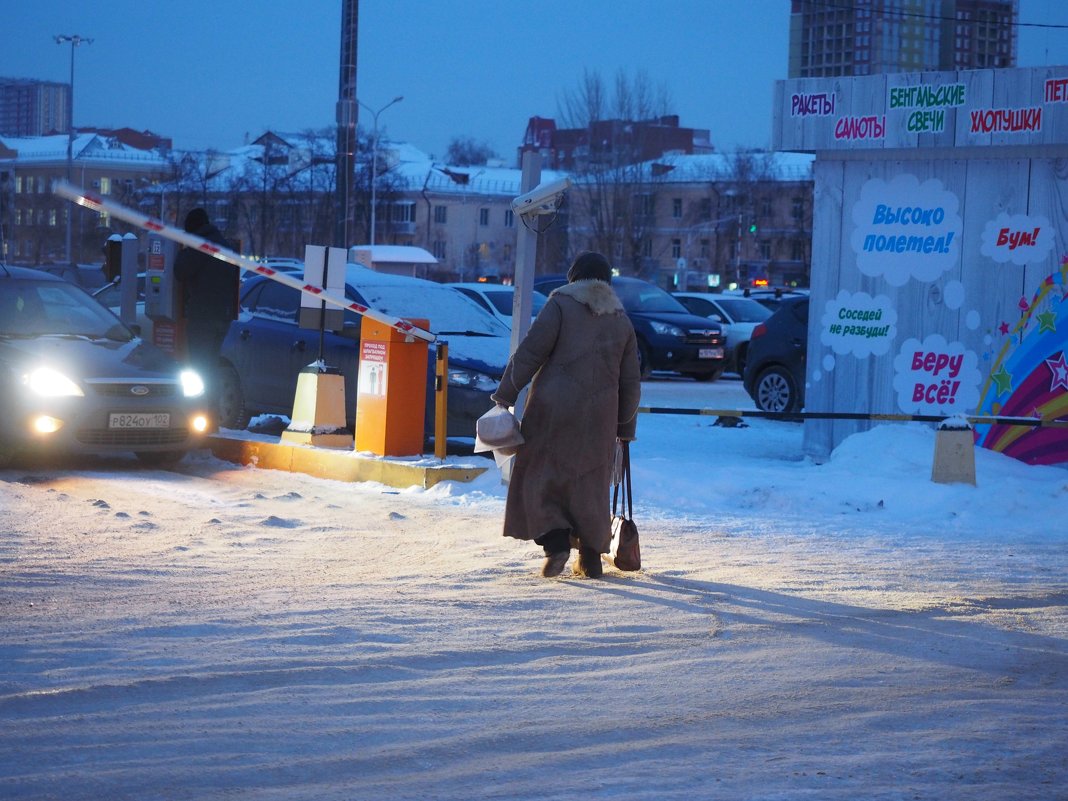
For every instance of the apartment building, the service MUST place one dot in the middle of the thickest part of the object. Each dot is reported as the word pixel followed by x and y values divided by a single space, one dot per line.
pixel 33 221
pixel 33 108
pixel 867 37
pixel 707 222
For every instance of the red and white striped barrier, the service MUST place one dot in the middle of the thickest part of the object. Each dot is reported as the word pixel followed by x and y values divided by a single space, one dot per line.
pixel 98 203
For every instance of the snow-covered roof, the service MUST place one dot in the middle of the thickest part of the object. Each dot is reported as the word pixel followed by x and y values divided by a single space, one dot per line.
pixel 392 254
pixel 85 147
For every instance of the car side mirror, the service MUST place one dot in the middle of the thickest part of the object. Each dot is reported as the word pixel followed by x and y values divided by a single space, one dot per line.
pixel 715 317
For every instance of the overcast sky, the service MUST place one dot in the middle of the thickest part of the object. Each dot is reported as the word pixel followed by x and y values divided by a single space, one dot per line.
pixel 208 72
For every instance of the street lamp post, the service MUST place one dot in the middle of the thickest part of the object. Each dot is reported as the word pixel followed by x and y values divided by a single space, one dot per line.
pixel 374 157
pixel 74 40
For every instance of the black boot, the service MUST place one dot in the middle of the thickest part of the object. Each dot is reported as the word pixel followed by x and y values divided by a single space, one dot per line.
pixel 557 545
pixel 588 564
pixel 554 563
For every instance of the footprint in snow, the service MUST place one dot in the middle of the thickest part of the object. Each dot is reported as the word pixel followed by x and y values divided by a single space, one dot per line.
pixel 397 516
pixel 101 504
pixel 279 522
pixel 289 496
pixel 121 514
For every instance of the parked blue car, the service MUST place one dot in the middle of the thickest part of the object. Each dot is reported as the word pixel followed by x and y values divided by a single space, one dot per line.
pixel 265 349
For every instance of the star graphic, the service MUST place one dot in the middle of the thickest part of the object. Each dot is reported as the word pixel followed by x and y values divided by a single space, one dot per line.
pixel 1003 380
pixel 1059 368
pixel 1004 328
pixel 1047 322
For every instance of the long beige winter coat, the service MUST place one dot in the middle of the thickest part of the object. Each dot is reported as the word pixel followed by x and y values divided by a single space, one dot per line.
pixel 582 357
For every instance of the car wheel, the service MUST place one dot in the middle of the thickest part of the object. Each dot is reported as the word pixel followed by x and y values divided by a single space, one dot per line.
pixel 231 399
pixel 160 458
pixel 644 367
pixel 776 391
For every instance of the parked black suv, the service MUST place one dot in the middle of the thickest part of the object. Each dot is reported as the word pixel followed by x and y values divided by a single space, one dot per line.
pixel 670 338
pixel 775 366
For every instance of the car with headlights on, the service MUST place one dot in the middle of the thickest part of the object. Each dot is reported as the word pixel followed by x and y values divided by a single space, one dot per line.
pixel 75 379
pixel 265 349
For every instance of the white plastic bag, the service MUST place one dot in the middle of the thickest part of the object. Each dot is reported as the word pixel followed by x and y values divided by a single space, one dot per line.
pixel 498 431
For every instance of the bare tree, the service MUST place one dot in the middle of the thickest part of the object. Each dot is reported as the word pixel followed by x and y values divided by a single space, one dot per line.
pixel 613 204
pixel 464 151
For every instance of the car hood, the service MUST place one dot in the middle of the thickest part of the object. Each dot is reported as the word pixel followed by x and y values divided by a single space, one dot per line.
pixel 78 357
pixel 486 354
pixel 682 320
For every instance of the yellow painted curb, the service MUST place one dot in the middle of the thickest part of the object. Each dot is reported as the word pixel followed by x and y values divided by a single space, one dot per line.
pixel 338 465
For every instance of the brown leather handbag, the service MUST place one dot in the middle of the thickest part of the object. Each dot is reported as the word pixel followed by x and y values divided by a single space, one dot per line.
pixel 626 552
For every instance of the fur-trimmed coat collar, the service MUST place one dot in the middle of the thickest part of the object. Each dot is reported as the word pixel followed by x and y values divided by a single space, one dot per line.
pixel 596 295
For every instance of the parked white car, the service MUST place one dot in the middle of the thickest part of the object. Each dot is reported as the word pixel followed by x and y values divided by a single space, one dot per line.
pixel 738 316
pixel 497 299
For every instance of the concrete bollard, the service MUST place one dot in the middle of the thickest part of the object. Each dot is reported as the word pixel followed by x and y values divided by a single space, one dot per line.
pixel 954 456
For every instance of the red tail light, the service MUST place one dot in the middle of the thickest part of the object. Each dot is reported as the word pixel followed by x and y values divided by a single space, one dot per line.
pixel 759 331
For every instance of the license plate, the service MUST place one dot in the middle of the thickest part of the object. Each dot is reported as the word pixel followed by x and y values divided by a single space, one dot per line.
pixel 710 353
pixel 128 420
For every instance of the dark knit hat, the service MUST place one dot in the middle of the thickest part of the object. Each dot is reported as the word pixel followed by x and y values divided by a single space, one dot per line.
pixel 195 220
pixel 589 264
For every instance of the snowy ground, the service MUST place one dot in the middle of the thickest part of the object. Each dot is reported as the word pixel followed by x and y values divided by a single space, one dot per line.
pixel 840 631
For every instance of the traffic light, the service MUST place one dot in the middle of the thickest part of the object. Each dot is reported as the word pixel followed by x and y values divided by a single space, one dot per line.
pixel 752 226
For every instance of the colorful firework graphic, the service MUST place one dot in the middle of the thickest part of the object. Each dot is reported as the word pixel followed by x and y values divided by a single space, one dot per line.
pixel 1029 376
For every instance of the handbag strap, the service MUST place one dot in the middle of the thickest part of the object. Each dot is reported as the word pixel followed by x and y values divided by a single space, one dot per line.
pixel 624 482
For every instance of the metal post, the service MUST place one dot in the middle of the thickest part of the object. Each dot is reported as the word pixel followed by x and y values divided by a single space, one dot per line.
pixel 346 124
pixel 525 253
pixel 374 160
pixel 74 40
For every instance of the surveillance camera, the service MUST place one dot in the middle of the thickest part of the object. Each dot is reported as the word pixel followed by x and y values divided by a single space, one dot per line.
pixel 542 199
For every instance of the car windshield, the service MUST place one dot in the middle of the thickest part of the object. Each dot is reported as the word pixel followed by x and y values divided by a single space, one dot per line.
pixel 638 296
pixel 744 310
pixel 501 299
pixel 55 308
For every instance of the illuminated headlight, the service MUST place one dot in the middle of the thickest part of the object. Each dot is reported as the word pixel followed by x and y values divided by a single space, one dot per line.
pixel 192 383
pixel 52 384
pixel 667 330
pixel 472 379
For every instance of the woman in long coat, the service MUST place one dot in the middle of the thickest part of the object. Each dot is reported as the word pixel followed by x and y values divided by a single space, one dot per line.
pixel 581 360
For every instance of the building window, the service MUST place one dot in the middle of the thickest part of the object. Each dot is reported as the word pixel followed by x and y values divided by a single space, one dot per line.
pixel 676 207
pixel 797 250
pixel 706 208
pixel 483 216
pixel 441 214
pixel 18 184
pixel 404 212
pixel 52 217
pixel 647 247
pixel 105 186
pixel 506 253
pixel 799 208
pixel 105 219
pixel 439 249
pixel 509 218
pixel 18 216
pixel 644 204
pixel 704 249
pixel 676 248
pixel 765 250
